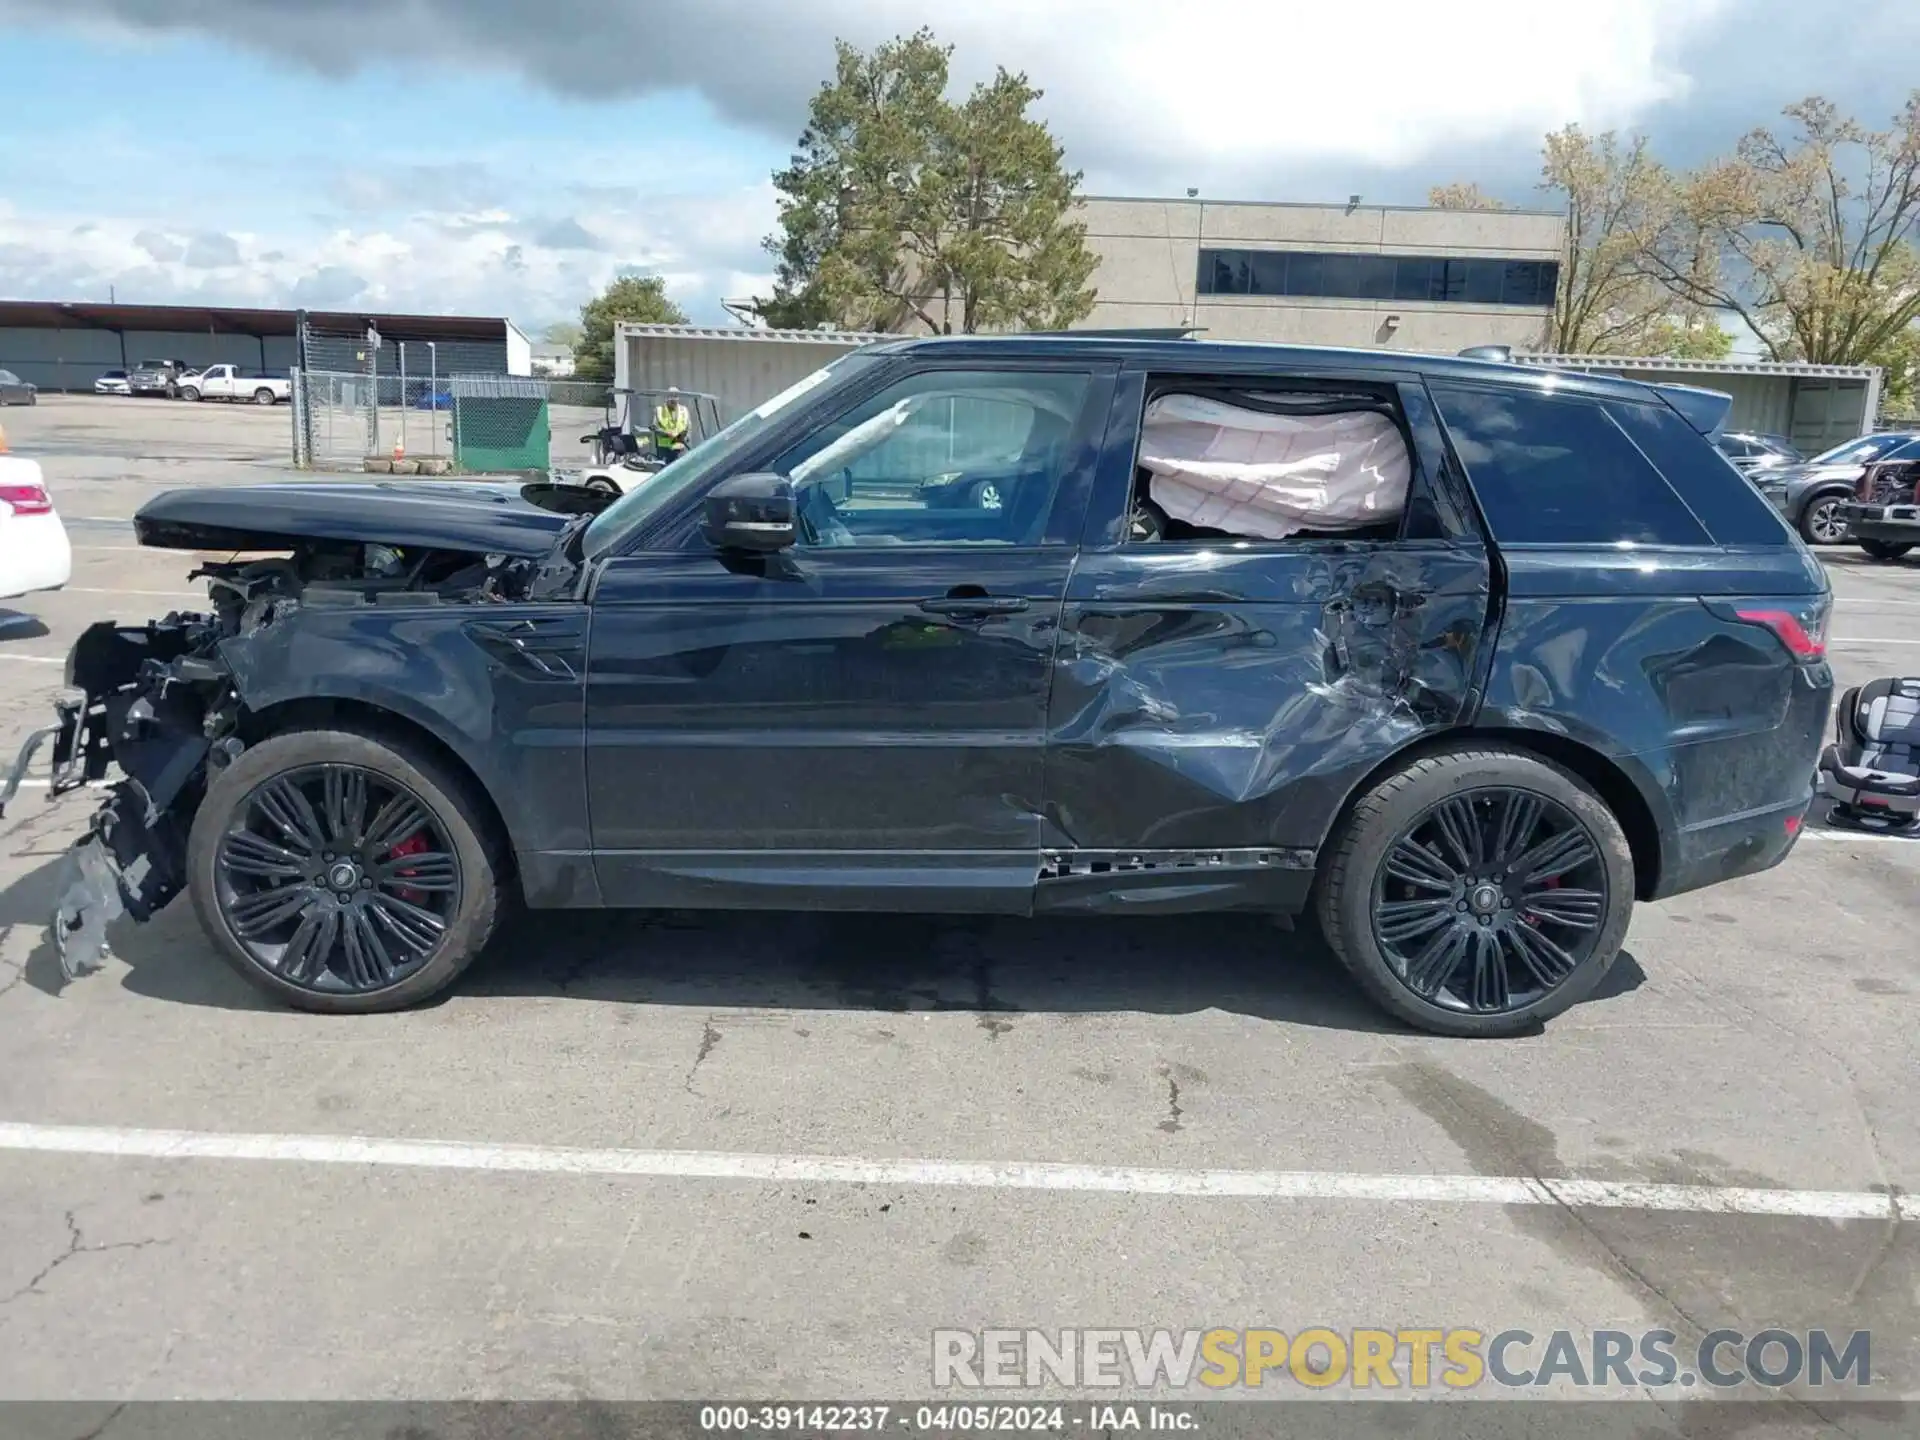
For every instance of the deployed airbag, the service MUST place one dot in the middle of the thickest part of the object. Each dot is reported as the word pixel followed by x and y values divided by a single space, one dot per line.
pixel 1264 475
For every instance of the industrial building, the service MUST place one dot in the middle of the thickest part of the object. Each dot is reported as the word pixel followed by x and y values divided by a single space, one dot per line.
pixel 66 345
pixel 1369 276
pixel 739 367
pixel 1814 406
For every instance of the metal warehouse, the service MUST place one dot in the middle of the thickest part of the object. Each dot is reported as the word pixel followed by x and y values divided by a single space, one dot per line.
pixel 1814 406
pixel 739 367
pixel 61 345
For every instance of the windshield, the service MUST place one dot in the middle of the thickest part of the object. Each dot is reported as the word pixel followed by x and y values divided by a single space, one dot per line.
pixel 651 496
pixel 1860 451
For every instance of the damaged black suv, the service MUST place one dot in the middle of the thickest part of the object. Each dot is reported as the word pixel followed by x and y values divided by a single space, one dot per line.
pixel 1464 657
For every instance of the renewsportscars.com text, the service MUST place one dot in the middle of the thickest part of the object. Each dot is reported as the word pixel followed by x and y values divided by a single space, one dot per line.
pixel 1388 1359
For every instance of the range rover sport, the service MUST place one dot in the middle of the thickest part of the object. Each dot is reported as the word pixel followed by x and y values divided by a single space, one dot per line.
pixel 1463 658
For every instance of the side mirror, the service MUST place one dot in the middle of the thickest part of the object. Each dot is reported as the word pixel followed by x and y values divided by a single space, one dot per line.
pixel 750 512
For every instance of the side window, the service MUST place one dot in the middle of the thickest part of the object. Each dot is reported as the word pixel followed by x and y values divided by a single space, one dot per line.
pixel 1555 470
pixel 1736 449
pixel 1245 459
pixel 945 457
pixel 1721 496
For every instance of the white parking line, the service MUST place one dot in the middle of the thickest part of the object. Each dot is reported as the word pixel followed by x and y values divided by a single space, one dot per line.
pixel 1874 640
pixel 34 659
pixel 964 1174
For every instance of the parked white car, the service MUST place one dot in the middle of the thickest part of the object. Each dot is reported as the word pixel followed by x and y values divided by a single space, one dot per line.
pixel 114 382
pixel 236 382
pixel 34 553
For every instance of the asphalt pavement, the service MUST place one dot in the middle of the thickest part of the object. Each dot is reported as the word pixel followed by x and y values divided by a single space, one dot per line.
pixel 704 1157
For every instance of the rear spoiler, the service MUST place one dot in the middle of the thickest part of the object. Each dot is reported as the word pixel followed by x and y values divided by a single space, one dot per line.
pixel 1705 410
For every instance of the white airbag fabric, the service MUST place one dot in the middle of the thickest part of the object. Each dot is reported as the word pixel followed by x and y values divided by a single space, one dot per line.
pixel 1267 476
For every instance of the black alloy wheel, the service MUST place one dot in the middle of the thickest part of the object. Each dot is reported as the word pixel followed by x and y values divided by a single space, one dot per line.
pixel 337 879
pixel 1490 900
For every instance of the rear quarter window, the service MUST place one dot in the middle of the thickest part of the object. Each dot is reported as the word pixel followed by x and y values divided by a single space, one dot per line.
pixel 1558 470
pixel 1723 498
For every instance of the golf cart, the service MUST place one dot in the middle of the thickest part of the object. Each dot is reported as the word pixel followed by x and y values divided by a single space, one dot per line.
pixel 626 452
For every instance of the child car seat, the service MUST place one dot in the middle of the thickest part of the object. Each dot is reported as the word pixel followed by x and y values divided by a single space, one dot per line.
pixel 1872 771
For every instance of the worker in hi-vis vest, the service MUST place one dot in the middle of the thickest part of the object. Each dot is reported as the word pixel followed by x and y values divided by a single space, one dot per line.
pixel 671 422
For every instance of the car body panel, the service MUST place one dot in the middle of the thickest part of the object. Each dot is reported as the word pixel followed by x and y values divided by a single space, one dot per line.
pixel 511 711
pixel 16 391
pixel 487 518
pixel 35 554
pixel 809 705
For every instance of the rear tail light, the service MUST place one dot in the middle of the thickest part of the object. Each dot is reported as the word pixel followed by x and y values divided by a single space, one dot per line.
pixel 26 499
pixel 1800 625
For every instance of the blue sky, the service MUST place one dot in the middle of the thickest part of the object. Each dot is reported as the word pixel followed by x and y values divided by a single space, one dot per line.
pixel 501 156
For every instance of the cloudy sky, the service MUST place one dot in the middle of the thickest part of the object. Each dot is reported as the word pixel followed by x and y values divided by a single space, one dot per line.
pixel 506 156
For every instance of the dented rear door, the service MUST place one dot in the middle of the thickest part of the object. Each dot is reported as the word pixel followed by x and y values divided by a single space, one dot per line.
pixel 1230 696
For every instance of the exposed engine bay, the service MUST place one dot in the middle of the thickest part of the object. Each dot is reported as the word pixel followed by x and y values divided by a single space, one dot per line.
pixel 161 701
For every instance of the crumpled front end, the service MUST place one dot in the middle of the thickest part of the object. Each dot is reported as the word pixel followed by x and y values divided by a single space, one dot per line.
pixel 157 701
pixel 163 704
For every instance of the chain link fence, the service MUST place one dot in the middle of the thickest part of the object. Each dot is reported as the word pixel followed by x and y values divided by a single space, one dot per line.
pixel 445 424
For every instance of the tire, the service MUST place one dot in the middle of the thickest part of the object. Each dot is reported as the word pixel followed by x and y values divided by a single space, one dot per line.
pixel 1400 808
pixel 472 904
pixel 264 396
pixel 601 485
pixel 1884 549
pixel 1820 521
pixel 189 392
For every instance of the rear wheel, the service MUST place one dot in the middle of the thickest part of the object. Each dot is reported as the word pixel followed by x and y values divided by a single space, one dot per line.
pixel 1883 549
pixel 263 396
pixel 1478 892
pixel 1821 523
pixel 341 873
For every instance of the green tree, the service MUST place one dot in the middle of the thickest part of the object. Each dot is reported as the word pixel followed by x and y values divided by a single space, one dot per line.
pixel 903 208
pixel 638 298
pixel 1807 236
pixel 1614 193
pixel 562 332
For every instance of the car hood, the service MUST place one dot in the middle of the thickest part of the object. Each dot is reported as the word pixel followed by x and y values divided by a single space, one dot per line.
pixel 486 519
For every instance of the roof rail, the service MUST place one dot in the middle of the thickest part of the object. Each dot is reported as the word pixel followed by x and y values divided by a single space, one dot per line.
pixel 1502 353
pixel 1171 332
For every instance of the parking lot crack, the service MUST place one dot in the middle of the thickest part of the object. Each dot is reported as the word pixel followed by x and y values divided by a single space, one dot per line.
pixel 112 1415
pixel 709 1038
pixel 76 1245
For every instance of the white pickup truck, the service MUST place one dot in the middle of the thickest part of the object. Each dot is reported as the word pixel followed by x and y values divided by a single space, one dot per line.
pixel 235 382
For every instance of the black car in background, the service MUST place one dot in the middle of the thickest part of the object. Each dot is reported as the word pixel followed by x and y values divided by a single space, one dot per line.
pixel 1579 662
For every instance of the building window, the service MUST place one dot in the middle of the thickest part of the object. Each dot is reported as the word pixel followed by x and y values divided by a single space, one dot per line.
pixel 1360 275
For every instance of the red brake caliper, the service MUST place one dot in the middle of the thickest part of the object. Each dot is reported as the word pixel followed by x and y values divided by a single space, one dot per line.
pixel 412 845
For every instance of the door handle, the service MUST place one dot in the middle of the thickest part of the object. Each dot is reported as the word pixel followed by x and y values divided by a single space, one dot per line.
pixel 974 605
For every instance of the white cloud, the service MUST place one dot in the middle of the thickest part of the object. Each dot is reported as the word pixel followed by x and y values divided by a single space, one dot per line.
pixel 484 261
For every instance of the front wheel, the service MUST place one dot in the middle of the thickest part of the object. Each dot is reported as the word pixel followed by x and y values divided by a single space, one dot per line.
pixel 1478 892
pixel 189 392
pixel 1821 523
pixel 343 873
pixel 264 396
pixel 1883 549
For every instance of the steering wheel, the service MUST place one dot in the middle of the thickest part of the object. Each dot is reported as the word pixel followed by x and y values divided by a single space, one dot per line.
pixel 819 517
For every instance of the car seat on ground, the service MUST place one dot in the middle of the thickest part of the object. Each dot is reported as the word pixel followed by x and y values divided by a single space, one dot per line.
pixel 1872 770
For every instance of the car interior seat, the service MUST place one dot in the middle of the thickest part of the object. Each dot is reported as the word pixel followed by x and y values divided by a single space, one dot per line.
pixel 1872 770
